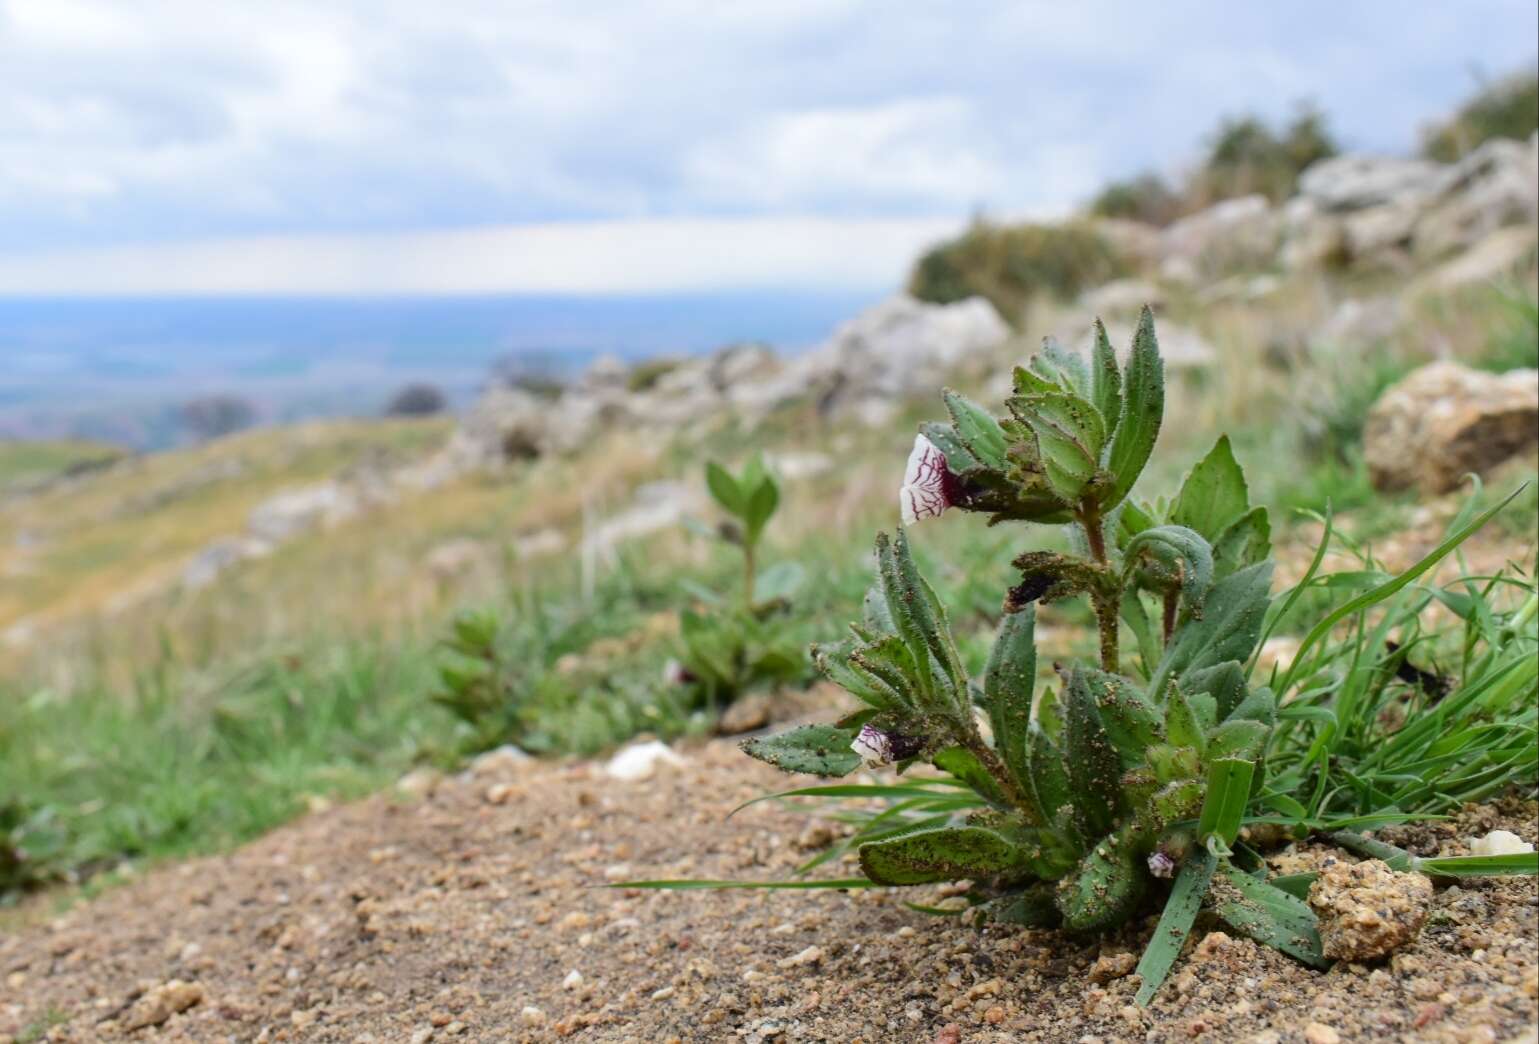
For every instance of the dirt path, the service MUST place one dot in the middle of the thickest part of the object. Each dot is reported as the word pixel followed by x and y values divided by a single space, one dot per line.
pixel 478 913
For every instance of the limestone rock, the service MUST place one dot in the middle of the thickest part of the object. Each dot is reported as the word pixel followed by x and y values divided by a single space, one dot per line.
pixel 1356 182
pixel 162 1002
pixel 1495 186
pixel 1235 234
pixel 287 514
pixel 1445 420
pixel 1367 910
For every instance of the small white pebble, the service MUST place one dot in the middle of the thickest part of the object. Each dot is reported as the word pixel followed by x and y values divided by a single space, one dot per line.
pixel 572 981
pixel 423 1035
pixel 532 1015
pixel 662 994
pixel 1500 842
pixel 810 955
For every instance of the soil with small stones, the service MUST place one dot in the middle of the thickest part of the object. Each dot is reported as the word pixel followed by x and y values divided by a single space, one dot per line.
pixel 481 911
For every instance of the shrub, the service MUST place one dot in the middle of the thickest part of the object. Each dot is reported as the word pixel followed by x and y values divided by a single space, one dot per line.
pixel 1074 807
pixel 1247 157
pixel 418 399
pixel 1145 198
pixel 1010 264
pixel 214 416
pixel 1507 108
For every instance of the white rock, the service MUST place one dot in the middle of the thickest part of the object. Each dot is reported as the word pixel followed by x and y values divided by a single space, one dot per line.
pixel 1500 842
pixel 640 760
pixel 1356 181
pixel 572 981
pixel 295 511
pixel 531 1015
pixel 499 761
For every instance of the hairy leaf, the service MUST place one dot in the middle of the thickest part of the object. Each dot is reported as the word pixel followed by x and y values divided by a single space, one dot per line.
pixel 820 750
pixel 1214 494
pixel 1143 409
pixel 1008 684
pixel 944 854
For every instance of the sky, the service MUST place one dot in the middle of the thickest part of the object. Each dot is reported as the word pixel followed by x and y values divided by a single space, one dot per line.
pixel 152 147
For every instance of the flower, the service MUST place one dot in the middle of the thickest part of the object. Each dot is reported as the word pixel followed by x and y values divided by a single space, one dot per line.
pixel 873 745
pixel 676 674
pixel 1500 842
pixel 1161 865
pixel 928 487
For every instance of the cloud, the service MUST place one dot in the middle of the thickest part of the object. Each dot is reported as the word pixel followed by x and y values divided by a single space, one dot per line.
pixel 183 121
pixel 614 257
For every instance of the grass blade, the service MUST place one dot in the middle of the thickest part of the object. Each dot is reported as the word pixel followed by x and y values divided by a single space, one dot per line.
pixel 1175 925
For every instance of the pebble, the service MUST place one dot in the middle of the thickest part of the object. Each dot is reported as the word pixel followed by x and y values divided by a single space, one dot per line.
pixel 532 1015
pixel 811 955
pixel 572 981
pixel 1320 1033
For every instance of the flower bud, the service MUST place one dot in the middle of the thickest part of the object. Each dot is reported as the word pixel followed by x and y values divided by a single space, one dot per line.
pixel 1161 865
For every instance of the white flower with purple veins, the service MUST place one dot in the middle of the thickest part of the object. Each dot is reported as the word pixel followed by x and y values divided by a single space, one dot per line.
pixel 928 487
pixel 873 745
pixel 1161 865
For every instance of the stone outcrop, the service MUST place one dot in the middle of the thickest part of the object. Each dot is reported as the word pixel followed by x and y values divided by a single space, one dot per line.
pixel 1444 421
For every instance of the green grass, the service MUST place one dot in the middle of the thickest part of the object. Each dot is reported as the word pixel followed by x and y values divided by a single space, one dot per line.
pixel 29 463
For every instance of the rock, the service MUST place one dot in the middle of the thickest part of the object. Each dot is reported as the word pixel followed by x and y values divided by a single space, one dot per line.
pixel 454 558
pixel 655 505
pixel 1320 1033
pixel 572 981
pixel 1134 241
pixel 419 782
pixel 162 1002
pixel 1362 321
pixel 506 425
pixel 640 760
pixel 499 761
pixel 206 566
pixel 811 955
pixel 1444 420
pixel 1235 234
pixel 1494 256
pixel 744 715
pixel 1500 842
pixel 296 511
pixel 1494 186
pixel 1356 182
pixel 1367 910
pixel 794 466
pixel 540 542
pixel 1311 238
pixel 1109 966
pixel 902 347
pixel 1122 297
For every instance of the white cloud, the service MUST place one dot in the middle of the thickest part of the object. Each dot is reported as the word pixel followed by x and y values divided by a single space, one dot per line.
pixel 623 257
pixel 132 121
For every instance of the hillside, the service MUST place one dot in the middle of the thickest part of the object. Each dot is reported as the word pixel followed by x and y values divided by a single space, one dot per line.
pixel 203 644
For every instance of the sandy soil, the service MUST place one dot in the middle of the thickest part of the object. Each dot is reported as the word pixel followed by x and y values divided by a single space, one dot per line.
pixel 479 911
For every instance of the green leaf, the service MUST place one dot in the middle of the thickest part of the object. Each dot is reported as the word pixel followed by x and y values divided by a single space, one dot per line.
pixel 1237 738
pixel 1183 553
pixel 945 854
pixel 1131 721
pixel 1181 724
pixel 924 627
pixel 1049 780
pixel 1521 864
pixel 1246 541
pixel 1229 628
pixel 1094 766
pixel 761 505
pixel 977 430
pixel 1225 682
pixel 820 750
pixel 1070 433
pixel 1228 793
pixel 1143 409
pixel 964 765
pixel 1008 685
pixel 724 489
pixel 1105 889
pixel 1268 915
pixel 1181 909
pixel 1105 379
pixel 686 884
pixel 1214 494
pixel 1063 367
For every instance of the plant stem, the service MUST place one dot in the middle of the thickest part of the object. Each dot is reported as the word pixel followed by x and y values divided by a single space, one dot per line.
pixel 1172 598
pixel 1104 599
pixel 749 573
